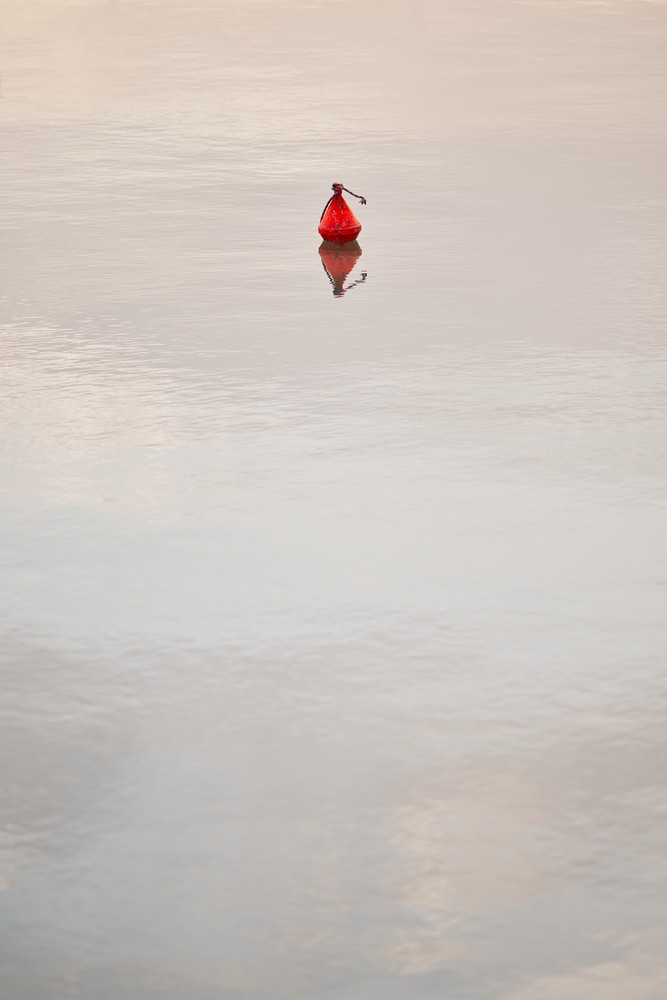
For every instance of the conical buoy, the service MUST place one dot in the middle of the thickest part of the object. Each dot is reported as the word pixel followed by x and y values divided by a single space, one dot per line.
pixel 338 223
pixel 338 261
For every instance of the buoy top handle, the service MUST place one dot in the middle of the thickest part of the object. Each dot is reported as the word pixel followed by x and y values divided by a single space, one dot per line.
pixel 337 188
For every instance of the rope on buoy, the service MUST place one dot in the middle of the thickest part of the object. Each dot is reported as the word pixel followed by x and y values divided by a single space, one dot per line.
pixel 359 196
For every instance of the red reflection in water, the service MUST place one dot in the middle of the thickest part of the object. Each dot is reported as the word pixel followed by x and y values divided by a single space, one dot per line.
pixel 338 260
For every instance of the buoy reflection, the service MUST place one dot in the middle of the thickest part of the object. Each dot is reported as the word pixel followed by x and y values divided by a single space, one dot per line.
pixel 338 260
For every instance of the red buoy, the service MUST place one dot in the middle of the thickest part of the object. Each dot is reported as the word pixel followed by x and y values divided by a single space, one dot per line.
pixel 338 223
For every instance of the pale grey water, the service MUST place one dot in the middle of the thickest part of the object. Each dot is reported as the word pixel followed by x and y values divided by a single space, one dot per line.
pixel 333 629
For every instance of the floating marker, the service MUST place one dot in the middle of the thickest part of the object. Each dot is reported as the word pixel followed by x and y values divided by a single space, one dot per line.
pixel 338 223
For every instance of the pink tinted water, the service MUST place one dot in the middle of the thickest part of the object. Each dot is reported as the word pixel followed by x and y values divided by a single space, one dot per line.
pixel 333 630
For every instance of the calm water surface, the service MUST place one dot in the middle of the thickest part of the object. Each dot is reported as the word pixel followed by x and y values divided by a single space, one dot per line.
pixel 333 626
